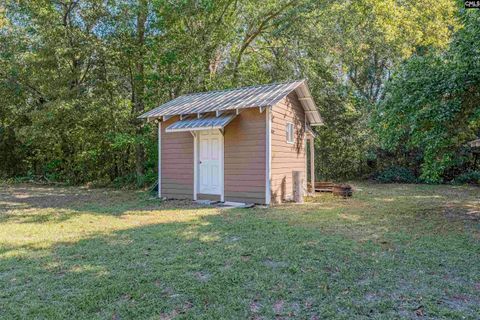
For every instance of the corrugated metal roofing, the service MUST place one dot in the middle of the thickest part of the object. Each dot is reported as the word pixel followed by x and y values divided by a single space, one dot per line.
pixel 206 123
pixel 246 97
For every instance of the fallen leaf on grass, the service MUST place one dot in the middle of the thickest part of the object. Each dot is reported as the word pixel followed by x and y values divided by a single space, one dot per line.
pixel 420 311
pixel 169 316
pixel 202 276
pixel 126 297
pixel 245 257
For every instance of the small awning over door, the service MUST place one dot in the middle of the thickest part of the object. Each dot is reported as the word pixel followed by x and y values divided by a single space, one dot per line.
pixel 194 123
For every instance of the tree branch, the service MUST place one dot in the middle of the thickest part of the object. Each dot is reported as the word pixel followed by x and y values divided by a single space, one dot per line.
pixel 253 34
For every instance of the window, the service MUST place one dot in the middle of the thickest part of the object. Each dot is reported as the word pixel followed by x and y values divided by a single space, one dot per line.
pixel 289 132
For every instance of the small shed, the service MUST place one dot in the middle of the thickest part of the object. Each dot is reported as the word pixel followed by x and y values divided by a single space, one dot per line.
pixel 239 145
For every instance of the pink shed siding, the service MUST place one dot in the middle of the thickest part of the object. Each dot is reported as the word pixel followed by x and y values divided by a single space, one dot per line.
pixel 287 157
pixel 244 155
pixel 245 163
pixel 177 163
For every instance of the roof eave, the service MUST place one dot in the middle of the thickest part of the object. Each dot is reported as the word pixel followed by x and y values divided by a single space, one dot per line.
pixel 299 86
pixel 305 98
pixel 195 129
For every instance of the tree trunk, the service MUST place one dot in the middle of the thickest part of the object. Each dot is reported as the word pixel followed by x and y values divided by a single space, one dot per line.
pixel 139 84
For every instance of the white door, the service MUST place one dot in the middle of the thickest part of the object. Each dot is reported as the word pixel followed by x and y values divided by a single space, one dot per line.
pixel 210 162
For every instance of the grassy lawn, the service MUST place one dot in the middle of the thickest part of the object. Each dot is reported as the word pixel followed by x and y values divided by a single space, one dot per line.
pixel 392 251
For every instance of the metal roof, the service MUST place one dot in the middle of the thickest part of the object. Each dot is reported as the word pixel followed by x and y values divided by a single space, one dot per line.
pixel 240 98
pixel 193 123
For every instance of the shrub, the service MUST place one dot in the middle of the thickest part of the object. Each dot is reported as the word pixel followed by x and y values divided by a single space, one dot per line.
pixel 127 180
pixel 396 174
pixel 472 177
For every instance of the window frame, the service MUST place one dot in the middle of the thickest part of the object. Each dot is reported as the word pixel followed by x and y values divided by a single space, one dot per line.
pixel 290 133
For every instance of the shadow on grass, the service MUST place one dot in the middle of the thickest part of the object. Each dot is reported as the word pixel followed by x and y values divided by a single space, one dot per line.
pixel 286 262
pixel 60 204
pixel 238 264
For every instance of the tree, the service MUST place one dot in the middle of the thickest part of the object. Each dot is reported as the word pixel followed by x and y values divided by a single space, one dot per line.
pixel 371 37
pixel 433 102
pixel 74 75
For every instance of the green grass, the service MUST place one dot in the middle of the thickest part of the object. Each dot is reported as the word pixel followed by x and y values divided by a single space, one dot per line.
pixel 392 251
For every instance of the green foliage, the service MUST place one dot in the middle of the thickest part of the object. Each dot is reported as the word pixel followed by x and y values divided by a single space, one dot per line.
pixel 348 57
pixel 397 175
pixel 432 102
pixel 343 142
pixel 471 177
pixel 74 75
pixel 371 37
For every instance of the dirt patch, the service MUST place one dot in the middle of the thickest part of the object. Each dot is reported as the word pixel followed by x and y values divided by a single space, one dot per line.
pixel 278 306
pixel 177 311
pixel 65 201
pixel 462 213
pixel 275 264
pixel 202 276
pixel 460 302
pixel 47 197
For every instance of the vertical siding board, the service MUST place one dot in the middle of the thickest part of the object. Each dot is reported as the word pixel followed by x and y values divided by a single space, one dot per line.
pixel 159 169
pixel 177 163
pixel 287 157
pixel 245 156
